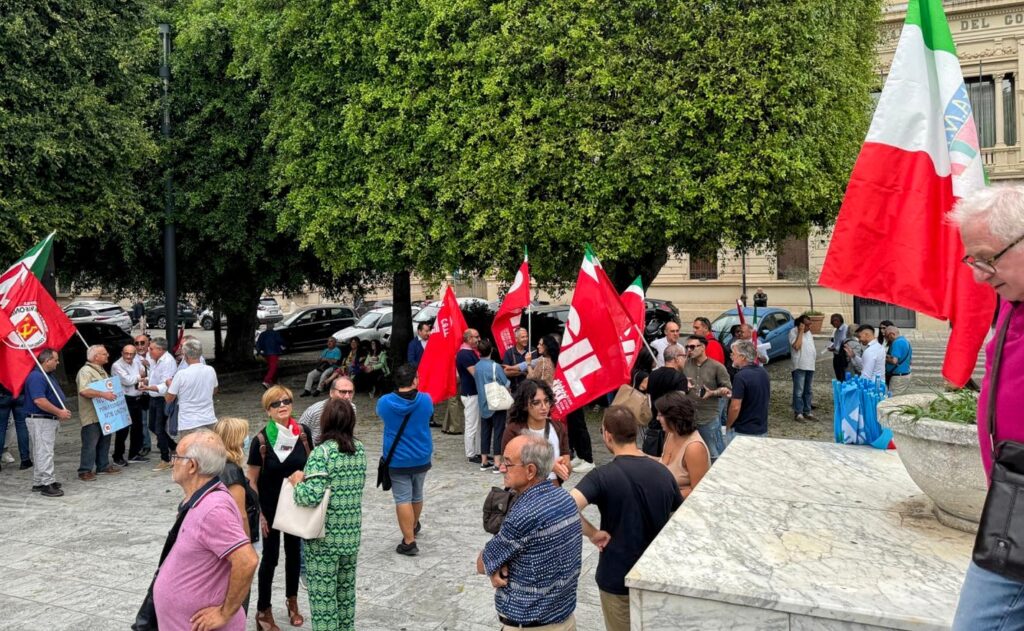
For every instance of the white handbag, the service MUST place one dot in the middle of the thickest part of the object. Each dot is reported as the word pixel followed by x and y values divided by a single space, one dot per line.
pixel 301 521
pixel 497 395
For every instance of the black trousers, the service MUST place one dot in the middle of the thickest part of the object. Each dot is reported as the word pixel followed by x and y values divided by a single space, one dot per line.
pixel 579 437
pixel 134 430
pixel 839 364
pixel 271 553
pixel 158 425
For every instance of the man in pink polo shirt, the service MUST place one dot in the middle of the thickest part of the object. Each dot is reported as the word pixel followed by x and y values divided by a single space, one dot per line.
pixel 205 577
pixel 991 224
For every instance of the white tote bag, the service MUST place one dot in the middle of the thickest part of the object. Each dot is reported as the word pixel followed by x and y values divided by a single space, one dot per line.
pixel 301 521
pixel 497 395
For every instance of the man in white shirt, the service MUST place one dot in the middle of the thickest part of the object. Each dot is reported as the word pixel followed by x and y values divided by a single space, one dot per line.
pixel 142 360
pixel 193 387
pixel 161 371
pixel 804 356
pixel 130 373
pixel 671 339
pixel 871 363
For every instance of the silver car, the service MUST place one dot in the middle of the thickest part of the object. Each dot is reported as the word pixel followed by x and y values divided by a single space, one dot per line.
pixel 99 311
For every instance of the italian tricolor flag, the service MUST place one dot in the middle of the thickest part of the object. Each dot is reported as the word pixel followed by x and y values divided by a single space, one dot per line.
pixel 892 241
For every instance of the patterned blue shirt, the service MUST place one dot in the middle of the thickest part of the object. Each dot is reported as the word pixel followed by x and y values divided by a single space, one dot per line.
pixel 541 542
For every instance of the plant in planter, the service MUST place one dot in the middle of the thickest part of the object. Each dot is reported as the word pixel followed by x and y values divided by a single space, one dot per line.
pixel 937 441
pixel 808 279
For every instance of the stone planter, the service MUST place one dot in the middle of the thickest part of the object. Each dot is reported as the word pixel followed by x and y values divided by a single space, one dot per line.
pixel 942 458
pixel 816 322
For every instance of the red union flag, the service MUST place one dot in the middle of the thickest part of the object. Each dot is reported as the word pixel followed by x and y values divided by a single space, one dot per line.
pixel 437 368
pixel 507 319
pixel 599 341
pixel 36 322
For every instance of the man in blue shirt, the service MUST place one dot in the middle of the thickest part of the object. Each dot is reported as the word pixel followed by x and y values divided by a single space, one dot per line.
pixel 329 359
pixel 751 393
pixel 44 406
pixel 897 362
pixel 534 560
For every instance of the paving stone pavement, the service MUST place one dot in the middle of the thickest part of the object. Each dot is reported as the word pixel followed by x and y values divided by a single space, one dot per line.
pixel 83 562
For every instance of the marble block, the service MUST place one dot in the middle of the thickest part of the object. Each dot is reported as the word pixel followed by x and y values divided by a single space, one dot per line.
pixel 795 534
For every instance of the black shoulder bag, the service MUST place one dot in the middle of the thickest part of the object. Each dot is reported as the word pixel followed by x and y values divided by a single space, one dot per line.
pixel 383 473
pixel 999 546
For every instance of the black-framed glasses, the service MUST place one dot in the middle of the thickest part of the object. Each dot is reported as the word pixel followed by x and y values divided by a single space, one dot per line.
pixel 276 404
pixel 540 403
pixel 343 392
pixel 691 347
pixel 177 457
pixel 988 266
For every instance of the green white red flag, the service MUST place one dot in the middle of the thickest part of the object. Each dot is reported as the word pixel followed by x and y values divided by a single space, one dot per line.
pixel 633 300
pixel 35 259
pixel 516 301
pixel 436 371
pixel 892 241
pixel 598 342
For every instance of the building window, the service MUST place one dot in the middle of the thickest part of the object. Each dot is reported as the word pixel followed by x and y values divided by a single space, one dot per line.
pixel 1009 110
pixel 704 267
pixel 792 259
pixel 982 93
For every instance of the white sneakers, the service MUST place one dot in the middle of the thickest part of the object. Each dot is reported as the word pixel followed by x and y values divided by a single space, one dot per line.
pixel 581 466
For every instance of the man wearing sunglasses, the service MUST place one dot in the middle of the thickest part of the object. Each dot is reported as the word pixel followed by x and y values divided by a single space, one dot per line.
pixel 341 388
pixel 709 383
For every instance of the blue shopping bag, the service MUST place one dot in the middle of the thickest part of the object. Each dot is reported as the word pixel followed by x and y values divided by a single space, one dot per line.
pixel 855 412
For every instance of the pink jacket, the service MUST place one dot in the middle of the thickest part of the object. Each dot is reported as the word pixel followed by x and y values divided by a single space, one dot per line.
pixel 1009 390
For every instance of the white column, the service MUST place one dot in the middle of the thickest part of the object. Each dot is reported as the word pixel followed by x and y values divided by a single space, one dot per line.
pixel 998 79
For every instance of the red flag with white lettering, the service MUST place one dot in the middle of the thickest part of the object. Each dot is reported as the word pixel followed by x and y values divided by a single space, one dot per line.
pixel 599 341
pixel 437 368
pixel 37 323
pixel 507 319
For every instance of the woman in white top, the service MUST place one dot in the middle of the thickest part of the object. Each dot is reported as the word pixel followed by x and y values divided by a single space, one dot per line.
pixel 529 414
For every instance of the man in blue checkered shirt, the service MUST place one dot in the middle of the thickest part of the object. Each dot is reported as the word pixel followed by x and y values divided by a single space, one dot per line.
pixel 534 560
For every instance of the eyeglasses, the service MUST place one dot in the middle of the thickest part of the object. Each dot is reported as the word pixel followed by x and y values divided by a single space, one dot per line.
pixel 341 392
pixel 177 457
pixel 283 402
pixel 537 403
pixel 139 343
pixel 690 347
pixel 988 266
pixel 508 465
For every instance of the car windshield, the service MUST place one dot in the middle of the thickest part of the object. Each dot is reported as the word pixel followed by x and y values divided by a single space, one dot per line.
pixel 292 318
pixel 426 314
pixel 110 311
pixel 368 321
pixel 722 325
pixel 268 302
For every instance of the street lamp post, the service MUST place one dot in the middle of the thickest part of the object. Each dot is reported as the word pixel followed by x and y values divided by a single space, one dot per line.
pixel 170 262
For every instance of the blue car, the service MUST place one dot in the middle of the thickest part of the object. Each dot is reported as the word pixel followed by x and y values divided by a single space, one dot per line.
pixel 773 326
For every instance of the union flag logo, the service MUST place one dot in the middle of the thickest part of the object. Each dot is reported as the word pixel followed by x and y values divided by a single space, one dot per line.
pixel 29 328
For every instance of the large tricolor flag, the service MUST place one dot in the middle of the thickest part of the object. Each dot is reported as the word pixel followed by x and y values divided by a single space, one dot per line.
pixel 437 368
pixel 35 259
pixel 37 323
pixel 633 300
pixel 892 241
pixel 511 311
pixel 598 341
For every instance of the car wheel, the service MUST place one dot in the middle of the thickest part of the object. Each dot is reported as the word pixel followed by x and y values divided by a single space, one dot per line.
pixel 207 324
pixel 161 322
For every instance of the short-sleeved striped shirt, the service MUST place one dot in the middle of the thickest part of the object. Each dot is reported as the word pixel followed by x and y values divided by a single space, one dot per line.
pixel 541 542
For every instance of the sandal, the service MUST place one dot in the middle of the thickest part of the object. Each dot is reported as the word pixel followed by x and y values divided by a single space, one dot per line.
pixel 294 617
pixel 265 620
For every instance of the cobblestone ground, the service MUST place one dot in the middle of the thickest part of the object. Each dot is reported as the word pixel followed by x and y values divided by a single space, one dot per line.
pixel 84 561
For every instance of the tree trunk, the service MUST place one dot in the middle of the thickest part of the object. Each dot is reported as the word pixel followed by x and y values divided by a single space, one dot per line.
pixel 401 323
pixel 218 339
pixel 623 273
pixel 241 336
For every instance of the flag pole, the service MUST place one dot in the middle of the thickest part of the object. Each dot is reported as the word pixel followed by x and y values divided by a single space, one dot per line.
pixel 81 338
pixel 529 306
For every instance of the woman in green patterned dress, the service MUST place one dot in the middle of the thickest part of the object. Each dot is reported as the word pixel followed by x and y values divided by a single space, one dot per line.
pixel 331 561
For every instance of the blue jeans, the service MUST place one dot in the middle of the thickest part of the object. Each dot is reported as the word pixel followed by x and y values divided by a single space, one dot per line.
pixel 711 433
pixel 989 602
pixel 408 487
pixel 14 405
pixel 95 449
pixel 802 391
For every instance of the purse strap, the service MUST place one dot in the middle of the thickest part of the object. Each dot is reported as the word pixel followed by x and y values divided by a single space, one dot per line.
pixel 398 437
pixel 997 361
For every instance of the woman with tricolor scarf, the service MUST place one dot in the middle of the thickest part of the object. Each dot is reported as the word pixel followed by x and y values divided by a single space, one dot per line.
pixel 279 450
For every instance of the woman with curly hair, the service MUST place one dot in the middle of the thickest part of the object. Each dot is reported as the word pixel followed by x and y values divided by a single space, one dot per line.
pixel 685 453
pixel 530 415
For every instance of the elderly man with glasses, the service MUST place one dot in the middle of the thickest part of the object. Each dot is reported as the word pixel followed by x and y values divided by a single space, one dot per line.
pixel 142 361
pixel 991 222
pixel 341 388
pixel 131 374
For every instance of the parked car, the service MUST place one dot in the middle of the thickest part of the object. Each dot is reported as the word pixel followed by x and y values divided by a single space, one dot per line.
pixel 365 306
pixel 476 311
pixel 206 319
pixel 268 311
pixel 658 313
pixel 82 311
pixel 773 326
pixel 156 314
pixel 307 329
pixel 374 325
pixel 112 336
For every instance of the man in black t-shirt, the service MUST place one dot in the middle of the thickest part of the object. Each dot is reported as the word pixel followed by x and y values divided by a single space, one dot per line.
pixel 636 496
pixel 465 363
pixel 751 393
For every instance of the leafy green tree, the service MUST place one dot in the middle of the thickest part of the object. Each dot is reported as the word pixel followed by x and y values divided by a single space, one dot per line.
pixel 75 86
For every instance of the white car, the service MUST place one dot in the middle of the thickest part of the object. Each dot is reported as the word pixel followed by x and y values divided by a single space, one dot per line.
pixel 268 311
pixel 374 325
pixel 99 311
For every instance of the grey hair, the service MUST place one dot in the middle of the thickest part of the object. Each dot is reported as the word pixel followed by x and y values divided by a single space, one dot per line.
pixel 746 349
pixel 192 348
pixel 207 450
pixel 1001 207
pixel 673 352
pixel 539 453
pixel 46 354
pixel 90 354
pixel 895 329
pixel 159 342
